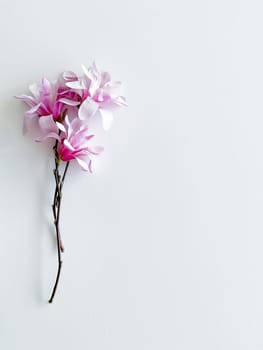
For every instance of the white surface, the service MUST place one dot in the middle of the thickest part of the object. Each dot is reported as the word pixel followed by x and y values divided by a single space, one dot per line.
pixel 164 241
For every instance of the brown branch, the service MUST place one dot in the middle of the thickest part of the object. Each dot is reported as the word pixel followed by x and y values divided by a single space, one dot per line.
pixel 56 213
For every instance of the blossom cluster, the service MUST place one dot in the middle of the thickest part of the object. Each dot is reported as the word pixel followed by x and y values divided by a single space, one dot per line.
pixel 63 110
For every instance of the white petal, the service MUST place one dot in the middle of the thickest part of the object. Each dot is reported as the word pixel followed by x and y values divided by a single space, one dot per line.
pixel 47 123
pixel 29 100
pixel 69 75
pixel 94 68
pixel 68 144
pixel 34 89
pixel 33 110
pixel 61 127
pixel 69 102
pixel 30 124
pixel 69 126
pixel 51 135
pixel 87 72
pixel 83 164
pixel 121 101
pixel 88 109
pixel 76 84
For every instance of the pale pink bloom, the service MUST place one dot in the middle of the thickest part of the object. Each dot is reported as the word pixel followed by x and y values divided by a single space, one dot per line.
pixel 42 128
pixel 42 99
pixel 75 143
pixel 49 99
pixel 47 103
pixel 99 94
pixel 41 104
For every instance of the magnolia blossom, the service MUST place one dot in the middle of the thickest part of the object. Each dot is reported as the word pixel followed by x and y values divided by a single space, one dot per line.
pixel 48 102
pixel 99 94
pixel 81 98
pixel 75 143
pixel 49 99
pixel 41 102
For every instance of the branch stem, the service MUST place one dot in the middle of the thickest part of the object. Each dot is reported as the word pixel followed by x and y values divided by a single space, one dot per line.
pixel 56 214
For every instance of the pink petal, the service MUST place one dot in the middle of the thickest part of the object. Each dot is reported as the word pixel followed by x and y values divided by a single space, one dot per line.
pixel 45 88
pixel 29 100
pixel 61 127
pixel 70 76
pixel 90 168
pixel 30 123
pixel 89 137
pixel 47 124
pixel 87 109
pixel 105 78
pixel 51 135
pixel 95 150
pixel 33 110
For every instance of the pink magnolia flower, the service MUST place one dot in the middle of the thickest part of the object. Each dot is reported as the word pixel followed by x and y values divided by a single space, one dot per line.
pixel 49 99
pixel 47 104
pixel 99 94
pixel 41 104
pixel 42 128
pixel 75 143
pixel 42 100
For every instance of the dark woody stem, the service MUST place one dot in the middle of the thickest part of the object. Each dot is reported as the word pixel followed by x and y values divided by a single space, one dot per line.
pixel 56 213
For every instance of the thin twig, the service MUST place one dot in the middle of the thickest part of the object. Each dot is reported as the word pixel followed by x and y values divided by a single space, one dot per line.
pixel 56 214
pixel 64 174
pixel 57 189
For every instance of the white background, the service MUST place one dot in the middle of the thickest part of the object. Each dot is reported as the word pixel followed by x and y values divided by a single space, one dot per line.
pixel 164 241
